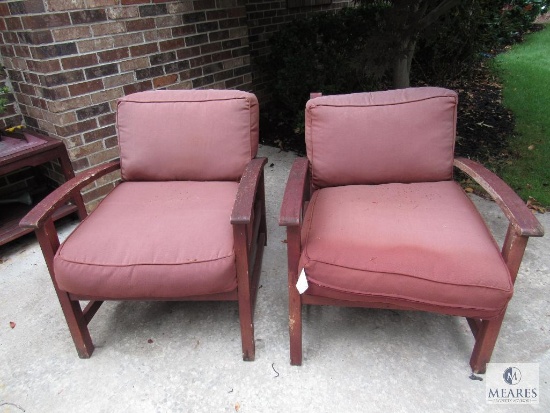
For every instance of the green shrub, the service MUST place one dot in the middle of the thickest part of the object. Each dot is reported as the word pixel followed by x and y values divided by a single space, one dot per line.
pixel 330 53
pixel 470 32
pixel 345 52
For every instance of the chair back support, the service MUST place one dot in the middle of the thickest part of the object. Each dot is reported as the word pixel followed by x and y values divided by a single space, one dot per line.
pixel 404 135
pixel 194 135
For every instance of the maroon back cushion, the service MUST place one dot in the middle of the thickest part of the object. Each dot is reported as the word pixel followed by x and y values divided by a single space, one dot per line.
pixel 193 135
pixel 404 135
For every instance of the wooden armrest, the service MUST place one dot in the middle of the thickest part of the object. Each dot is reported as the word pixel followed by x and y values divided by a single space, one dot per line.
pixel 293 200
pixel 246 194
pixel 45 208
pixel 521 218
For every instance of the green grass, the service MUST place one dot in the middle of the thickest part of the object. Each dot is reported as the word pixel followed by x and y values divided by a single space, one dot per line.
pixel 525 72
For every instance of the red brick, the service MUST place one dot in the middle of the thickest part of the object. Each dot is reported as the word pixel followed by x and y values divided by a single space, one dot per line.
pixel 111 142
pixel 200 61
pixel 119 13
pixel 83 88
pixel 109 118
pixel 127 2
pixel 165 81
pixel 169 21
pixel 119 80
pixel 127 39
pixel 179 7
pixel 4 9
pixel 102 190
pixel 101 3
pixel 69 104
pixel 133 64
pixel 104 156
pixel 188 52
pixel 109 95
pixel 171 44
pixel 44 66
pixel 98 135
pixel 140 25
pixel 13 23
pixel 211 48
pixel 76 128
pixel 184 30
pixel 46 21
pixel 71 33
pixel 204 4
pixel 138 87
pixel 79 61
pixel 64 5
pixel 159 34
pixel 85 150
pixel 108 28
pixel 113 55
pixel 143 49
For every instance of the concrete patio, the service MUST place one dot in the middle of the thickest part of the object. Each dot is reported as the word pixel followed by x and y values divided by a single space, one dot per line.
pixel 186 357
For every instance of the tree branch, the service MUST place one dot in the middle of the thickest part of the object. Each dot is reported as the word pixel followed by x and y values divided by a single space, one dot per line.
pixel 439 11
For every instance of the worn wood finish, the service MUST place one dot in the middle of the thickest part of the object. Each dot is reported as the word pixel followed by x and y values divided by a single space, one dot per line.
pixel 248 219
pixel 76 321
pixel 294 297
pixel 297 194
pixel 486 339
pixel 295 199
pixel 475 325
pixel 246 194
pixel 250 232
pixel 35 156
pixel 90 309
pixel 45 208
pixel 511 204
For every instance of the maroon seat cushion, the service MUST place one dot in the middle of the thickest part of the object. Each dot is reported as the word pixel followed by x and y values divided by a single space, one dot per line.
pixel 153 240
pixel 404 135
pixel 417 246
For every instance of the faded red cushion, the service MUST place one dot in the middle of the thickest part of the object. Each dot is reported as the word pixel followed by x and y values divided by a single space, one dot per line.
pixel 419 246
pixel 195 135
pixel 153 240
pixel 404 135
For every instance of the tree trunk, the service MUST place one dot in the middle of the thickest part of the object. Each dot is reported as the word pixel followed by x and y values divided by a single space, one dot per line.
pixel 402 65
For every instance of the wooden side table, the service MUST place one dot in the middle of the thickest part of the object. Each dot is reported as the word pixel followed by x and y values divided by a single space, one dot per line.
pixel 34 154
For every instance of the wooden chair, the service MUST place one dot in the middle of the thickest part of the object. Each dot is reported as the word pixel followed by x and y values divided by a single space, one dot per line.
pixel 374 218
pixel 186 223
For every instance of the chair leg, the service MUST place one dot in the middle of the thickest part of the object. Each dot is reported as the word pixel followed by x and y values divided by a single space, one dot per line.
pixel 295 326
pixel 244 292
pixel 294 297
pixel 486 339
pixel 247 330
pixel 77 325
pixel 261 197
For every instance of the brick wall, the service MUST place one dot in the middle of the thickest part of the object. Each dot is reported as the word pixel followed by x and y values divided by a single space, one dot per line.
pixel 69 60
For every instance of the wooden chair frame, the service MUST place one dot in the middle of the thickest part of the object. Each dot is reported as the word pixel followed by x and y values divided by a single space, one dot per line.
pixel 250 236
pixel 522 225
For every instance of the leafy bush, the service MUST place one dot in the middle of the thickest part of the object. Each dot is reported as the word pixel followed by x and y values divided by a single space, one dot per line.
pixel 344 51
pixel 470 32
pixel 327 52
